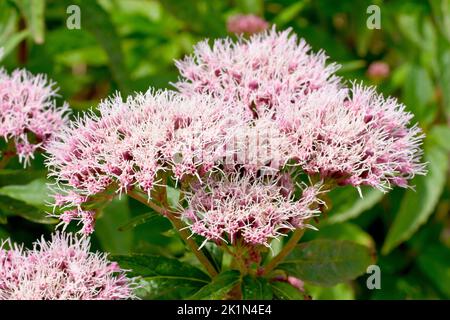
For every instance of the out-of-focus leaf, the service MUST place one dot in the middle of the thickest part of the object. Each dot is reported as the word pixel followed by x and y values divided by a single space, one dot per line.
pixel 140 219
pixel 327 262
pixel 341 231
pixel 347 204
pixel 341 291
pixel 13 207
pixel 434 263
pixel 289 13
pixel 251 6
pixel 417 205
pixel 114 215
pixel 441 11
pixel 33 11
pixel 284 291
pixel 256 288
pixel 97 21
pixel 444 80
pixel 163 278
pixel 219 287
pixel 34 193
pixel 418 93
pixel 12 42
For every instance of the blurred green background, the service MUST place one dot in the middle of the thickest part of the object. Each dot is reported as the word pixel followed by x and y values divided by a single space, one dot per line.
pixel 129 45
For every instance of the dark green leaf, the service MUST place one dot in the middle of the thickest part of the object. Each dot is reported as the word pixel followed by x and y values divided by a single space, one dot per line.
pixel 434 263
pixel 256 288
pixel 163 278
pixel 219 287
pixel 136 221
pixel 327 262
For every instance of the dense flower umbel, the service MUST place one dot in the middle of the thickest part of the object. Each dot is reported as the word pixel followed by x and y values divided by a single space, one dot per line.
pixel 61 269
pixel 248 24
pixel 254 209
pixel 355 136
pixel 28 114
pixel 131 142
pixel 256 72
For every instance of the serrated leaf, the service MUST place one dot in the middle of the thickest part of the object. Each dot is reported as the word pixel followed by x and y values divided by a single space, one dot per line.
pixel 327 262
pixel 256 288
pixel 162 277
pixel 219 287
pixel 347 204
pixel 284 291
pixel 417 205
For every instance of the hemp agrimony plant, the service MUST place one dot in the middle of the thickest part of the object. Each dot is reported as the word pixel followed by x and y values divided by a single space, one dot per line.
pixel 239 158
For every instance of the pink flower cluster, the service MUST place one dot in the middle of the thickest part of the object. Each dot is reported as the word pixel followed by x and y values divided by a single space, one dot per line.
pixel 28 113
pixel 61 269
pixel 248 24
pixel 243 109
pixel 255 209
pixel 352 135
pixel 131 143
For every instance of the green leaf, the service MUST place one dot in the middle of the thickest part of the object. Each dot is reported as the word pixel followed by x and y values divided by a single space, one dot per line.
pixel 284 291
pixel 12 42
pixel 163 278
pixel 327 262
pixel 289 13
pixel 417 205
pixel 98 22
pixel 33 12
pixel 434 263
pixel 256 288
pixel 173 197
pixel 114 215
pixel 20 177
pixel 341 231
pixel 11 207
pixel 418 93
pixel 219 287
pixel 347 204
pixel 341 291
pixel 34 193
pixel 136 221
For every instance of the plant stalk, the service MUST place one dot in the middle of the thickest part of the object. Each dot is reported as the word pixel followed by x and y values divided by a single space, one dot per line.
pixel 290 245
pixel 178 224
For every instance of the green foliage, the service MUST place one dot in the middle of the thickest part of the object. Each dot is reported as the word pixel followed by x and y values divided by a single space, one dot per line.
pixel 327 262
pixel 164 278
pixel 130 45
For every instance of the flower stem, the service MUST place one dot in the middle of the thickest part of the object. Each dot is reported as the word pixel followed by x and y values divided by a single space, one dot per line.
pixel 290 245
pixel 178 224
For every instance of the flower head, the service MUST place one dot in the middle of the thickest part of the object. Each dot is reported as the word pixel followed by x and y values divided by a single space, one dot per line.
pixel 131 143
pixel 248 24
pixel 354 136
pixel 256 72
pixel 28 113
pixel 255 209
pixel 61 269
